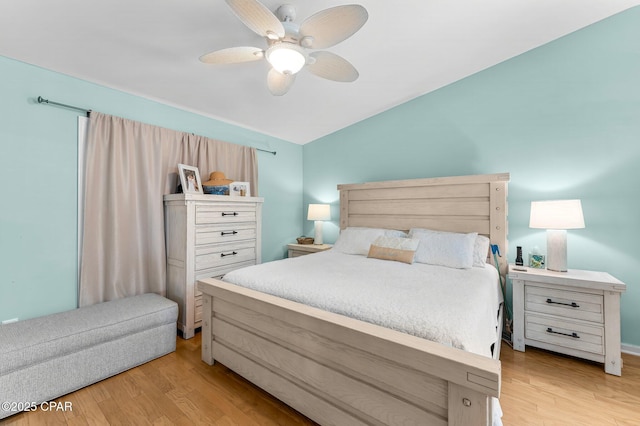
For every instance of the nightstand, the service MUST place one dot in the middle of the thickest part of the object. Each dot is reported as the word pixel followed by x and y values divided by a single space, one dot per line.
pixel 296 250
pixel 576 313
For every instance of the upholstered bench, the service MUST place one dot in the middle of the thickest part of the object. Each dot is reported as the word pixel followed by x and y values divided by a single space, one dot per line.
pixel 47 357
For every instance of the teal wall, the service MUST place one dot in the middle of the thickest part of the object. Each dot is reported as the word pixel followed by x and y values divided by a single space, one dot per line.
pixel 38 165
pixel 563 119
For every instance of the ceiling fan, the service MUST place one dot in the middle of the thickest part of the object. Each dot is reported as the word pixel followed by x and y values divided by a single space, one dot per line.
pixel 288 44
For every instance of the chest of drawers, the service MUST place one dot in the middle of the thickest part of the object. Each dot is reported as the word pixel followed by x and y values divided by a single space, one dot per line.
pixel 207 236
pixel 576 313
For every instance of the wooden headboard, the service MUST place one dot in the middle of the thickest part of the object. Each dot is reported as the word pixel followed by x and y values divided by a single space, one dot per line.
pixel 476 203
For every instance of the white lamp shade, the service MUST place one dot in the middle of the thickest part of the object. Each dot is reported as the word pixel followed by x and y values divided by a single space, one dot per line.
pixel 319 212
pixel 557 214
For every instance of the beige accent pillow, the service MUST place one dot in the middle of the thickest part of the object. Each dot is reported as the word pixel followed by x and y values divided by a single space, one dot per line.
pixel 394 248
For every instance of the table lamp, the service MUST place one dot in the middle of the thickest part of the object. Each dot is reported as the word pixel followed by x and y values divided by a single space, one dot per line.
pixel 556 217
pixel 319 213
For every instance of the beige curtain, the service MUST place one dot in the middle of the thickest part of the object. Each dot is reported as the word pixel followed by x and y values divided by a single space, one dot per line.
pixel 129 166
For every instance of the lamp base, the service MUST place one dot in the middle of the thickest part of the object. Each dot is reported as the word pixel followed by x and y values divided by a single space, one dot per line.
pixel 318 235
pixel 557 250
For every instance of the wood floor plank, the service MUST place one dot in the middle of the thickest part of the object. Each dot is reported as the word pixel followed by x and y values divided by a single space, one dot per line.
pixel 566 390
pixel 162 421
pixel 74 416
pixel 197 414
pixel 87 406
pixel 539 388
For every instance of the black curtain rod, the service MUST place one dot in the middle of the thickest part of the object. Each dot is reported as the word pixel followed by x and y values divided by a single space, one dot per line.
pixel 42 100
pixel 264 150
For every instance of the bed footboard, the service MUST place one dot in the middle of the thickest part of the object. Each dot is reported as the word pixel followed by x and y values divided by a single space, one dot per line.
pixel 338 370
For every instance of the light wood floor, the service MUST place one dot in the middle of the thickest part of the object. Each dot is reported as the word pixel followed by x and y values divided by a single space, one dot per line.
pixel 538 388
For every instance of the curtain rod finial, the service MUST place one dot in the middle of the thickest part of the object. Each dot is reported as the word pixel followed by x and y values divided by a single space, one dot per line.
pixel 267 151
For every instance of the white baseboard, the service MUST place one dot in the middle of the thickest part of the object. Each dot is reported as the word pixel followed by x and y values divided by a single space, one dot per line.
pixel 631 349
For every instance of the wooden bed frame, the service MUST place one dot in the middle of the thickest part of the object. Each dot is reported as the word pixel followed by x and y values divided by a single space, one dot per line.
pixel 337 370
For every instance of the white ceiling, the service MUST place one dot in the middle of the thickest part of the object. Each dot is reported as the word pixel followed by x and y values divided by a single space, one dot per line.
pixel 406 49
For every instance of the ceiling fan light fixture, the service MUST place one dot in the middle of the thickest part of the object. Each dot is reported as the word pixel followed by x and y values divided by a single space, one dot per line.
pixel 287 42
pixel 286 58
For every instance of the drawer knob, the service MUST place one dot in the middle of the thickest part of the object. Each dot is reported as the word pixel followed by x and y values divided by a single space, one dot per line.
pixel 574 334
pixel 223 233
pixel 572 304
pixel 230 214
pixel 233 253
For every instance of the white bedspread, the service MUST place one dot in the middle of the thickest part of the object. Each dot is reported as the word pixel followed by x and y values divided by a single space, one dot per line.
pixel 455 307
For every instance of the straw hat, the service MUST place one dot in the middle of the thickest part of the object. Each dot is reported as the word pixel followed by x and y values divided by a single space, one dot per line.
pixel 217 179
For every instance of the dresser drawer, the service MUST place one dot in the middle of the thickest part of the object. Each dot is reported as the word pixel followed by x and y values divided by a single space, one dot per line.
pixel 565 334
pixel 225 213
pixel 225 254
pixel 229 232
pixel 198 307
pixel 564 303
pixel 217 273
pixel 220 271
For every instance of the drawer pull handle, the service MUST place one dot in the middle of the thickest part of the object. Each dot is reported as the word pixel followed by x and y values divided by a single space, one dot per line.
pixel 233 253
pixel 230 214
pixel 572 304
pixel 223 233
pixel 574 334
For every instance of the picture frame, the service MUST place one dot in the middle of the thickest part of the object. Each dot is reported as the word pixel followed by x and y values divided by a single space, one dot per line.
pixel 190 179
pixel 537 261
pixel 240 189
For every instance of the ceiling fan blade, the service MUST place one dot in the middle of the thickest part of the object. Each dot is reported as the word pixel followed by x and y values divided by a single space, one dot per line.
pixel 278 83
pixel 233 55
pixel 257 17
pixel 331 26
pixel 332 67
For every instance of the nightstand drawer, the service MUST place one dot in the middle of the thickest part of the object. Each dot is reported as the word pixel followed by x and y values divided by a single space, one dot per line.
pixel 565 303
pixel 565 334
pixel 297 250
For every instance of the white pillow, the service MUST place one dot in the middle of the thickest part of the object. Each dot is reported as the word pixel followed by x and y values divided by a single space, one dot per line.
pixel 480 251
pixel 444 248
pixel 357 240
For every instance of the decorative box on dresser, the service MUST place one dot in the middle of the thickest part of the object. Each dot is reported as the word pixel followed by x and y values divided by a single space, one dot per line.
pixel 575 313
pixel 296 250
pixel 207 236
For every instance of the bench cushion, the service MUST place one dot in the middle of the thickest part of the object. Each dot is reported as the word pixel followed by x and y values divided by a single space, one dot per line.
pixel 34 341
